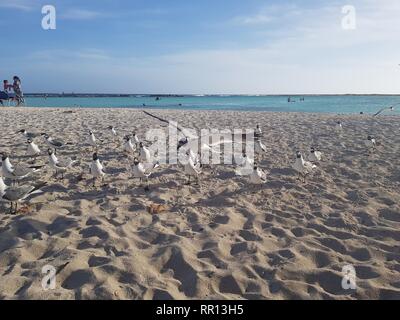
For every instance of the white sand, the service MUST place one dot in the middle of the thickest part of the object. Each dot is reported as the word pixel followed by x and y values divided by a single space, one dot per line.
pixel 219 240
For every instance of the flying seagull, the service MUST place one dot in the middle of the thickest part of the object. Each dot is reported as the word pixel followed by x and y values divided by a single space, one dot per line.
pixel 390 108
pixel 29 135
pixel 191 140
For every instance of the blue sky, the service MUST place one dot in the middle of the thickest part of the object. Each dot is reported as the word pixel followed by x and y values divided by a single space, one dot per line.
pixel 202 46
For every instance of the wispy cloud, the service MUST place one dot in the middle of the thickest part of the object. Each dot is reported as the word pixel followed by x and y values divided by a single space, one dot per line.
pixel 23 5
pixel 80 14
pixel 63 55
pixel 253 20
pixel 266 15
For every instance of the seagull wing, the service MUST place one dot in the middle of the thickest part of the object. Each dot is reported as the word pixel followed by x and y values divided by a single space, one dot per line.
pixel 380 111
pixel 386 108
pixel 65 163
pixel 17 193
pixel 185 132
pixel 57 143
pixel 21 171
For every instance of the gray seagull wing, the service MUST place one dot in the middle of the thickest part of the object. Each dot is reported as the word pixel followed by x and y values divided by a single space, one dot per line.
pixel 17 193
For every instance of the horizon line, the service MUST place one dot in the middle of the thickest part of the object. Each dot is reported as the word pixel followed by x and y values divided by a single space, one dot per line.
pixel 207 94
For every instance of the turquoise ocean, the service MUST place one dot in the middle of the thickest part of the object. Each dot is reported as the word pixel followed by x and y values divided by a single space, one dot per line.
pixel 317 104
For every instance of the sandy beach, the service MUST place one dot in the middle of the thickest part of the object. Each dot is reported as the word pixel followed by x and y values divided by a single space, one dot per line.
pixel 221 239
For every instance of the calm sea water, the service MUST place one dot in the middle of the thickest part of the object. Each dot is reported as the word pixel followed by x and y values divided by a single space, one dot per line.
pixel 326 104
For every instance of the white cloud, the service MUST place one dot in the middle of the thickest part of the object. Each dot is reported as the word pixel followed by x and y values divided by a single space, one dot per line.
pixel 57 55
pixel 80 14
pixel 253 20
pixel 23 5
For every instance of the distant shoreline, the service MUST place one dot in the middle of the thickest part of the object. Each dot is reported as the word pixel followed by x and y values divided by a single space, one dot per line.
pixel 117 95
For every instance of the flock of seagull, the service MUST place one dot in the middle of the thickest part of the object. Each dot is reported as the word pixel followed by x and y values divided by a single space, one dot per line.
pixel 143 162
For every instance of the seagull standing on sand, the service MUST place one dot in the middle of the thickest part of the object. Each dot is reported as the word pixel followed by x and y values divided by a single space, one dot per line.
pixel 258 132
pixel 129 148
pixel 339 126
pixel 258 176
pixel 195 157
pixel 14 195
pixel 141 172
pixel 60 166
pixel 52 143
pixel 96 169
pixel 92 140
pixel 33 150
pixel 260 147
pixel 144 154
pixel 245 165
pixel 135 139
pixel 192 167
pixel 370 143
pixel 315 156
pixel 302 167
pixel 16 173
pixel 114 133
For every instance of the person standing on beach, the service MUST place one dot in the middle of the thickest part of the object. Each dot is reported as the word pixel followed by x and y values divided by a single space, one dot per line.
pixel 19 96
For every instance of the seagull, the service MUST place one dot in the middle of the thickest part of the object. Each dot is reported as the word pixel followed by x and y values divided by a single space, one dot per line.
pixel 191 154
pixel 144 154
pixel 314 155
pixel 192 168
pixel 113 132
pixel 391 108
pixel 128 145
pixel 370 143
pixel 260 147
pixel 191 140
pixel 258 132
pixel 339 126
pixel 92 139
pixel 258 176
pixel 16 173
pixel 135 139
pixel 14 195
pixel 96 169
pixel 245 164
pixel 29 135
pixel 302 167
pixel 60 166
pixel 3 186
pixel 55 144
pixel 142 171
pixel 33 150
